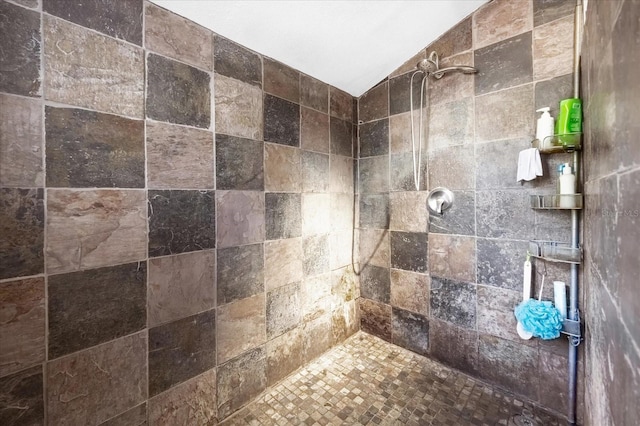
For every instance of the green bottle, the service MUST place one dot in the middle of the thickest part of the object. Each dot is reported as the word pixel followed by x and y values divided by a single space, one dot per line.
pixel 569 122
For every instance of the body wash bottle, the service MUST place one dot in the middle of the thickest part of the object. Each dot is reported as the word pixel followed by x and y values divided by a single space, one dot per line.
pixel 569 123
pixel 567 188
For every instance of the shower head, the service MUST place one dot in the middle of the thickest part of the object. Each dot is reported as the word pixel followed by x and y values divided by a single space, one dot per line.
pixel 459 68
pixel 427 66
pixel 431 67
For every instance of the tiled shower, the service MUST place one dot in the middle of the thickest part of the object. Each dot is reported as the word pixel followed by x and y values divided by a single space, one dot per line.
pixel 184 224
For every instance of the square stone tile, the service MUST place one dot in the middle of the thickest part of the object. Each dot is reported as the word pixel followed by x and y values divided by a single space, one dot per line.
pixel 284 261
pixel 281 80
pixel 181 221
pixel 240 272
pixel 549 93
pixel 283 215
pixel 340 244
pixel 452 124
pixel 553 49
pixel 236 61
pixel 174 36
pixel 456 85
pixel 400 95
pixel 90 70
pixel 374 211
pixel 341 174
pixel 123 21
pixel 109 382
pixel 281 121
pixel 240 380
pixel 238 108
pixel 317 337
pixel 91 149
pixel 22 227
pixel 181 350
pixel 400 132
pixel 285 354
pixel 505 214
pixel 410 291
pixel 284 309
pixel 410 330
pixel 459 219
pixel 341 211
pixel 282 168
pixel 452 256
pixel 92 228
pixel 244 318
pixel 373 247
pixel 315 171
pixel 454 346
pixel 375 318
pixel 341 135
pixel 179 157
pixel 505 114
pixel 453 167
pixel 374 174
pixel 495 312
pixel 23 328
pixel 314 93
pixel 454 302
pixel 21 142
pixel 181 285
pixel 178 93
pixel 501 20
pixel 374 138
pixel 504 64
pixel 20 33
pixel 241 217
pixel 135 416
pixel 408 211
pixel 374 104
pixel 316 297
pixel 315 250
pixel 409 251
pixel 314 130
pixel 340 104
pixel 375 283
pixel 23 402
pixel 239 163
pixel 500 262
pixel 455 40
pixel 547 11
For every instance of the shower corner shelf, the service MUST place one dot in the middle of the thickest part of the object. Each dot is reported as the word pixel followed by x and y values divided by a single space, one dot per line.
pixel 559 143
pixel 556 202
pixel 555 251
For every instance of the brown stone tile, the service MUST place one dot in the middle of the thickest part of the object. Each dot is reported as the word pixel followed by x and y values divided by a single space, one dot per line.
pixel 495 312
pixel 22 399
pixel 240 218
pixel 400 132
pixel 375 103
pixel 408 211
pixel 137 416
pixel 240 380
pixel 20 33
pixel 22 227
pixel 505 115
pixel 409 250
pixel 315 254
pixel 317 338
pixel 87 308
pixel 239 163
pixel 191 402
pixel 553 49
pixel 94 385
pixel 374 138
pixel 22 330
pixel 401 89
pixel 549 93
pixel 316 297
pixel 93 228
pixel 282 168
pixel 283 262
pixel 454 346
pixel 341 174
pixel 376 318
pixel 456 85
pixel 410 291
pixel 92 71
pixel 315 171
pixel 284 309
pixel 281 80
pixel 500 20
pixel 314 130
pixel 179 157
pixel 317 213
pixel 236 61
pixel 504 64
pixel 314 93
pixel 340 104
pixel 181 285
pixel 174 36
pixel 452 124
pixel 244 318
pixel 455 40
pixel 284 355
pixel 91 149
pixel 123 21
pixel 452 256
pixel 374 247
pixel 345 320
pixel 238 108
pixel 21 148
pixel 549 10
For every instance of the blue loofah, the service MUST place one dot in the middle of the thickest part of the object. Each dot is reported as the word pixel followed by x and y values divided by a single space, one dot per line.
pixel 540 318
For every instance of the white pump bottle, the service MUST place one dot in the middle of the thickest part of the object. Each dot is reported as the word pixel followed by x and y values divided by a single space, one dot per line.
pixel 545 127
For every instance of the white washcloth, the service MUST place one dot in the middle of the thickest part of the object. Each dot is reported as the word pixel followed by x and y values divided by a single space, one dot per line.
pixel 529 164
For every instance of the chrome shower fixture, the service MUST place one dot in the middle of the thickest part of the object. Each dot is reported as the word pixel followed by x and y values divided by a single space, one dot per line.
pixel 431 67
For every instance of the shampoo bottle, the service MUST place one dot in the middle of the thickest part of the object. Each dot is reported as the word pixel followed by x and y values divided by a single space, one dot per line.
pixel 567 188
pixel 569 124
pixel 545 127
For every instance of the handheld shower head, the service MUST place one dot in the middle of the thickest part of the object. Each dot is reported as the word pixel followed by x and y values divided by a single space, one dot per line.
pixel 427 66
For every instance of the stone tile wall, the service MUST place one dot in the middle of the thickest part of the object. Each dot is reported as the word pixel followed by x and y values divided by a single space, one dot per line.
pixel 446 286
pixel 176 215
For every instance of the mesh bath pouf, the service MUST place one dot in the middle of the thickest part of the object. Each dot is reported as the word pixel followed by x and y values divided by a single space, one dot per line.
pixel 540 318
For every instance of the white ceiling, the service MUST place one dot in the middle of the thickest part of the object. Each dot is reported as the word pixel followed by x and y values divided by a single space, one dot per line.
pixel 349 44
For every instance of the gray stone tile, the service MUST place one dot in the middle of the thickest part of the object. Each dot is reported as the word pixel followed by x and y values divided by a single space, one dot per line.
pixel 109 382
pixel 91 70
pixel 549 93
pixel 174 36
pixel 452 123
pixel 238 108
pixel 341 133
pixel 179 157
pixel 410 291
pixel 181 285
pixel 553 49
pixel 283 215
pixel 341 174
pixel 401 172
pixel 21 142
pixel 375 283
pixel 123 21
pixel 553 385
pixel 459 219
pixel 281 121
pixel 23 328
pixel 504 64
pixel 410 331
pixel 314 93
pixel 281 80
pixel 374 138
pixel 235 61
pixel 453 167
pixel 91 149
pixel 504 214
pixel 90 307
pixel 239 163
pixel 181 221
pixel 506 114
pixel 284 309
pixel 373 247
pixel 400 133
pixel 495 312
pixel 20 32
pixel 374 211
pixel 315 171
pixel 317 338
pixel 455 40
pixel 93 228
pixel 374 174
pixel 454 302
pixel 136 416
pixel 22 399
pixel 240 272
pixel 177 93
pixel 340 104
pixel 246 318
pixel 181 350
pixel 452 256
pixel 314 130
pixel 454 346
pixel 316 255
pixel 375 318
pixel 283 262
pixel 409 251
pixel 285 354
pixel 22 225
pixel 240 217
pixel 282 168
pixel 456 85
pixel 549 10
pixel 500 263
pixel 400 95
pixel 241 380
pixel 500 20
pixel 374 104
pixel 496 165
pixel 628 218
pixel 408 211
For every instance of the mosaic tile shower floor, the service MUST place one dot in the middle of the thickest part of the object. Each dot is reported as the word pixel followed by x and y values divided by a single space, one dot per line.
pixel 367 381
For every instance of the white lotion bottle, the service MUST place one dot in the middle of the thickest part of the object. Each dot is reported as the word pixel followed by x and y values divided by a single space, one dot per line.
pixel 545 128
pixel 567 188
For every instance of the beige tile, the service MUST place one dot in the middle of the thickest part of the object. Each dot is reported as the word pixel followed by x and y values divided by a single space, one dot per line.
pixel 240 218
pixel 238 108
pixel 177 37
pixel 452 167
pixel 179 157
pixel 314 93
pixel 506 114
pixel 341 211
pixel 316 214
pixel 89 70
pixel 501 19
pixel 340 248
pixel 283 262
pixel 20 142
pixel 408 211
pixel 314 130
pixel 553 49
pixel 452 123
pixel 341 174
pixel 340 104
pixel 316 297
pixel 453 257
pixel 94 385
pixel 281 168
pixel 400 132
pixel 456 85
pixel 374 247
pixel 284 355
pixel 410 291
pixel 92 228
pixel 241 326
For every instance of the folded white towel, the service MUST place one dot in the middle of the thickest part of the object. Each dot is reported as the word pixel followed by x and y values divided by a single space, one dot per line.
pixel 529 164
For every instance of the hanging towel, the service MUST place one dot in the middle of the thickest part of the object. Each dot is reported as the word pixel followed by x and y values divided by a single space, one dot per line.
pixel 529 164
